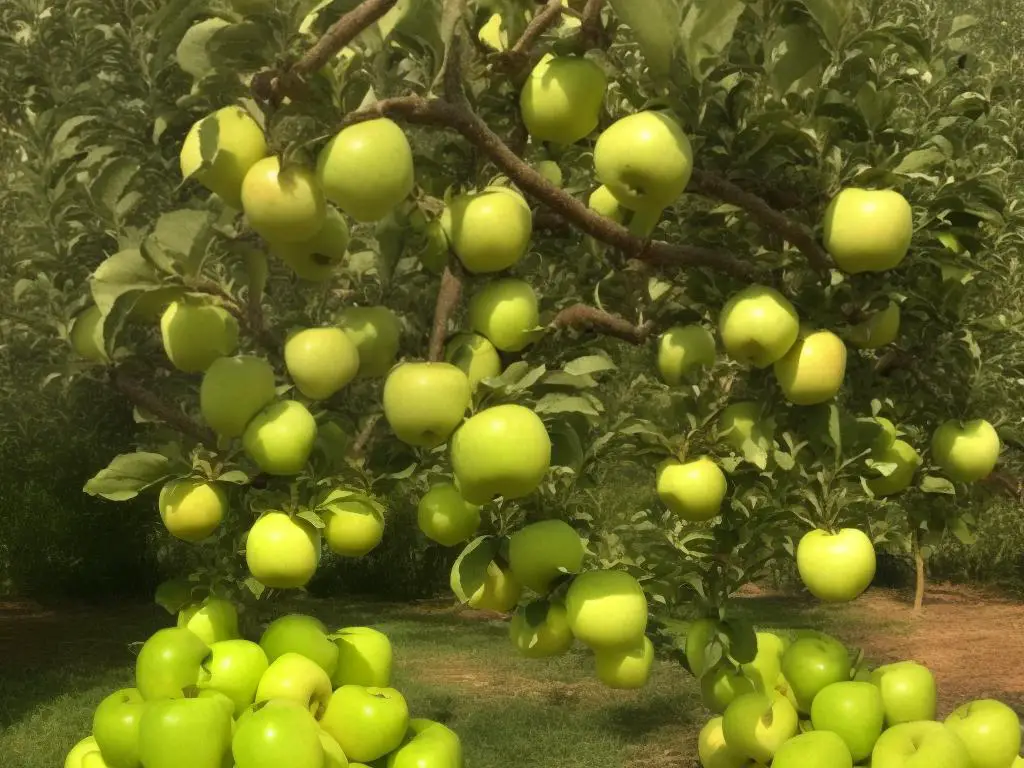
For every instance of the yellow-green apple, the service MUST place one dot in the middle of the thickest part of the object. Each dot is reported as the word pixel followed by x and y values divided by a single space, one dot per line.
pixel 169 662
pixel 334 755
pixel 740 422
pixel 758 326
pixel 506 312
pixel 644 159
pixel 192 508
pixel 149 306
pixel 812 662
pixel 240 145
pixel 484 466
pixel 234 668
pixel 364 657
pixel 293 676
pixel 86 335
pixel 302 634
pixel 83 748
pixel 352 528
pixel 836 567
pixel 186 733
pixel 920 744
pixel 712 749
pixel 966 451
pixel 625 668
pixel 277 732
pixel 194 334
pixel 766 666
pixel 425 402
pixel 281 551
pixel 489 231
pixel 115 727
pixel 280 438
pixel 320 361
pixel 906 459
pixel 375 331
pixel 782 686
pixel 757 724
pixel 316 258
pixel 367 722
pixel 698 636
pixel 283 205
pixel 551 637
pixel 213 619
pixel 427 744
pixel 475 356
pixel 445 517
pixel 562 98
pixel 694 491
pixel 233 391
pixel 812 371
pixel 722 685
pixel 868 230
pixel 854 711
pixel 367 169
pixel 908 691
pixel 550 171
pixel 603 201
pixel 989 729
pixel 541 552
pixel 500 591
pixel 814 749
pixel 879 329
pixel 684 349
pixel 607 609
pixel 885 433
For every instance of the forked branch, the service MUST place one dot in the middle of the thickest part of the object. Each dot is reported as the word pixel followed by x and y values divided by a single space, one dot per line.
pixel 584 317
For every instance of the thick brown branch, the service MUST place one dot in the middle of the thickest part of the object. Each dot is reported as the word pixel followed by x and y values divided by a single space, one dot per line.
pixel 151 403
pixel 340 34
pixel 448 297
pixel 583 317
pixel 591 30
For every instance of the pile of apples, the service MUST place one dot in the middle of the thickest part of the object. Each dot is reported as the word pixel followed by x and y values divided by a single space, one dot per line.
pixel 806 704
pixel 302 697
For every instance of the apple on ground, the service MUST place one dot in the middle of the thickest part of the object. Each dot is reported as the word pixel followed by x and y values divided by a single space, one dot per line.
pixel 552 636
pixel 169 662
pixel 541 552
pixel 836 567
pixel 813 369
pixel 364 657
pixel 854 711
pixel 84 748
pixel 966 451
pixel 86 335
pixel 757 724
pixel 607 609
pixel 989 729
pixel 506 312
pixel 302 634
pixel 115 727
pixel 698 637
pixel 445 517
pixel 213 619
pixel 280 438
pixel 320 361
pixel 812 662
pixel 233 391
pixel 683 350
pixel 906 459
pixel 334 755
pixel 693 490
pixel 625 668
pixel 740 422
pixel 234 668
pixel 766 666
pixel 475 356
pixel 368 723
pixel 908 692
pixel 376 333
pixel 880 329
pixel 293 676
pixel 488 231
pixel 425 402
pixel 194 334
pixel 192 508
pixel 920 744
pixel 813 749
pixel 868 230
pixel 277 732
pixel 758 326
pixel 427 744
pixel 192 732
pixel 722 685
pixel 240 145
pixel 562 98
pixel 283 205
pixel 352 527
pixel 499 592
pixel 712 749
pixel 282 551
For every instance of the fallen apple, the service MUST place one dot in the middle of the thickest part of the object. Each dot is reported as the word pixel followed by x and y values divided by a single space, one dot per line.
pixel 301 634
pixel 186 733
pixel 213 619
pixel 920 744
pixel 757 724
pixel 115 728
pixel 278 732
pixel 364 657
pixel 712 749
pixel 427 744
pixel 812 662
pixel 813 749
pixel 368 723
pixel 234 668
pixel 168 663
pixel 294 677
pixel 908 692
pixel 852 710
pixel 989 729
pixel 722 685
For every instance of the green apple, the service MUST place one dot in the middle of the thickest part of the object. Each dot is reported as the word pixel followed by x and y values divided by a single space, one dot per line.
pixel 836 567
pixel 169 662
pixel 233 391
pixel 500 591
pixel 562 98
pixel 282 551
pixel 352 528
pixel 625 668
pixel 115 727
pixel 213 619
pixel 367 169
pixel 966 451
pixel 694 491
pixel 722 685
pixel 425 402
pixel 194 334
pixel 906 459
pixel 908 691
pixel 276 733
pixel 234 668
pixel 758 326
pixel 320 361
pixel 488 231
pixel 812 662
pixel 484 467
pixel 552 636
pixel 698 636
pixel 240 145
pixel 603 201
pixel 191 509
pixel 334 755
pixel 86 335
pixel 712 749
pixel 427 744
pixel 301 634
pixel 364 657
pixel 757 724
pixel 506 312
pixel 814 749
pixel 868 230
pixel 607 609
pixel 375 331
pixel 541 552
pixel 317 258
pixel 367 722
pixel 550 171
pixel 445 517
pixel 475 356
pixel 186 733
pixel 880 329
pixel 854 711
pixel 885 434
pixel 740 422
pixel 989 729
pixel 1019 762
pixel 782 686
pixel 292 676
pixel 76 757
pixel 644 159
pixel 813 369
pixel 280 438
pixel 283 205
pixel 683 350
pixel 920 744
pixel 766 667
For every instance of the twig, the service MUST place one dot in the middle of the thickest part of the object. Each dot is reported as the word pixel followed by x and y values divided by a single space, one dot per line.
pixel 582 316
pixel 167 413
pixel 538 25
pixel 448 296
pixel 592 31
pixel 363 438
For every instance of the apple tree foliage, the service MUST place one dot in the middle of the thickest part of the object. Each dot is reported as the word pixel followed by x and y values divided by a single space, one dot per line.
pixel 785 102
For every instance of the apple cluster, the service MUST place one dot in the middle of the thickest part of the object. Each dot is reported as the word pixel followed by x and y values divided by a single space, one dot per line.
pixel 302 697
pixel 805 703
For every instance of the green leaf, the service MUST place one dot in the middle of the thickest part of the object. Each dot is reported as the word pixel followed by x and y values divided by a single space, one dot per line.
pixel 556 402
pixel 234 476
pixel 793 53
pixel 257 588
pixel 566 447
pixel 933 484
pixel 958 527
pixel 110 183
pixel 257 270
pixel 470 568
pixel 831 16
pixel 920 160
pixel 125 271
pixel 333 441
pixel 742 639
pixel 312 518
pixel 244 47
pixel 173 595
pixel 529 379
pixel 127 475
pixel 963 23
pixel 191 54
pixel 536 612
pixel 186 234
pixel 334 496
pixel 583 366
pixel 655 25
pixel 707 30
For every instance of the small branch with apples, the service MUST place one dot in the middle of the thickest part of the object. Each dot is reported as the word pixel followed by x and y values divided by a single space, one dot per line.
pixel 592 32
pixel 584 317
pixel 151 403
pixel 448 296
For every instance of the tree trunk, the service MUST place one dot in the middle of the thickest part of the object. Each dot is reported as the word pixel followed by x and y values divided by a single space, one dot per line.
pixel 919 568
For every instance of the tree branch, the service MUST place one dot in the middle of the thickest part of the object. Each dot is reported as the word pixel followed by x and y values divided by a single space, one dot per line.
pixel 538 25
pixel 151 403
pixel 591 29
pixel 363 438
pixel 448 296
pixel 250 317
pixel 582 317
